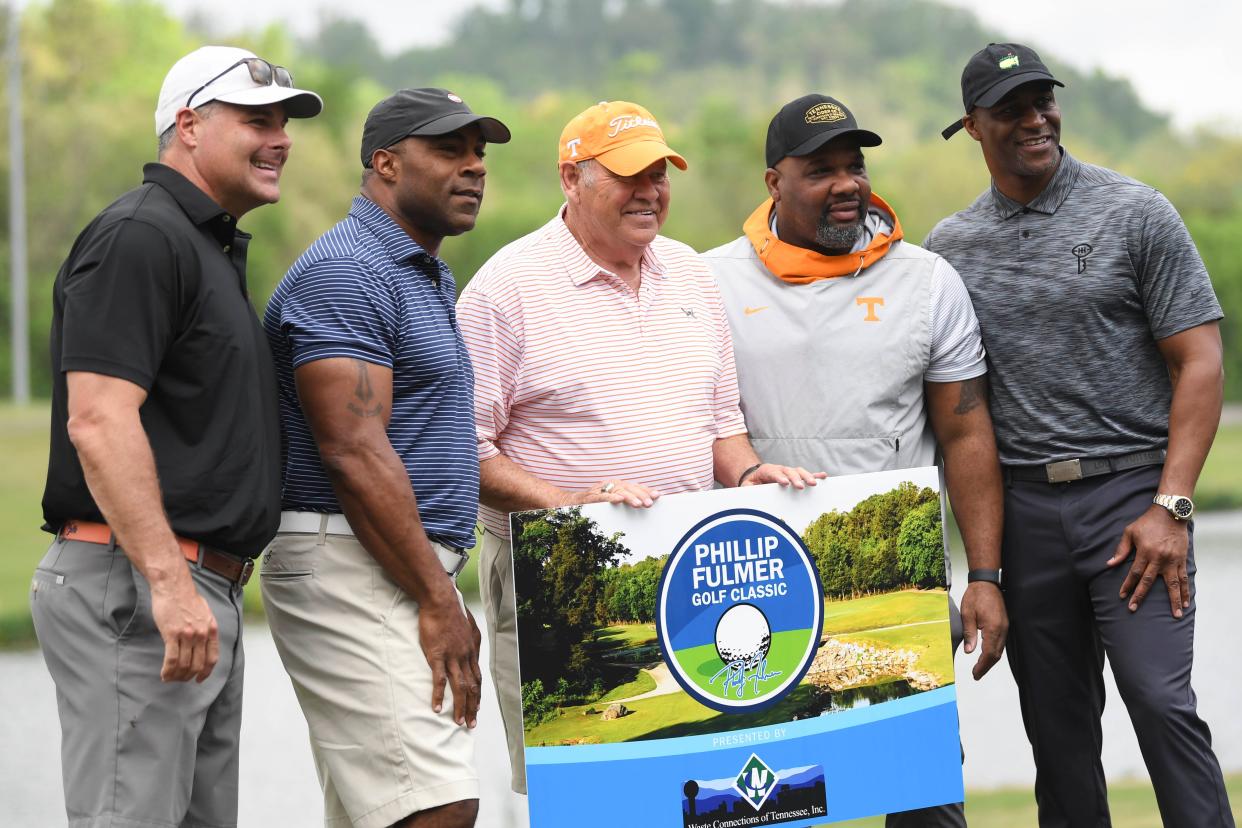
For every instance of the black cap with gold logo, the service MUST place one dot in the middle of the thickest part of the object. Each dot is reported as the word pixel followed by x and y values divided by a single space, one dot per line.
pixel 806 124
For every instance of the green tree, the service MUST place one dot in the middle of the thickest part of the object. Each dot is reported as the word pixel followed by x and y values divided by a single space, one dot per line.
pixel 920 546
pixel 558 559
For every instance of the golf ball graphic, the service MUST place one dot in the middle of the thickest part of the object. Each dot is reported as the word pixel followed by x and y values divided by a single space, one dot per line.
pixel 743 634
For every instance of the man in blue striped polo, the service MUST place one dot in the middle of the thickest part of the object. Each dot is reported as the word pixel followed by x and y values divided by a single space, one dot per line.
pixel 381 477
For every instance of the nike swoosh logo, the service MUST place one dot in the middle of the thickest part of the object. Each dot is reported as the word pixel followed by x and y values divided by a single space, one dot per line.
pixel 752 311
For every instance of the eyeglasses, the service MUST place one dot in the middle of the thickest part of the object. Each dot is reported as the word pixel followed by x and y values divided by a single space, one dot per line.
pixel 261 72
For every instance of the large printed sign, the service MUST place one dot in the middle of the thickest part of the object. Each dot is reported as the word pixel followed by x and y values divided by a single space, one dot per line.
pixel 741 657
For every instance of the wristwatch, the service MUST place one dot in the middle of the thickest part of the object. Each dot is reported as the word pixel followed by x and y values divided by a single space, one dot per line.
pixel 992 576
pixel 1179 506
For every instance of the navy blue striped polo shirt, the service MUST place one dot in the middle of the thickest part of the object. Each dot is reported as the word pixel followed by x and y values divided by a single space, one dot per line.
pixel 366 290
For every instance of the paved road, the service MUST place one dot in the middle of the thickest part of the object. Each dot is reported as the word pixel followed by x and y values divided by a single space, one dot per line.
pixel 665 684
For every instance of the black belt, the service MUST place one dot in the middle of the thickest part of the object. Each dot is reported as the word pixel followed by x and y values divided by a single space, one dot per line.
pixel 1064 471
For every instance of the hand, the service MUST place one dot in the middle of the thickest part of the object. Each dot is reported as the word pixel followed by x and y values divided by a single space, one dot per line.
pixel 983 609
pixel 795 476
pixel 450 641
pixel 188 627
pixel 1159 544
pixel 617 491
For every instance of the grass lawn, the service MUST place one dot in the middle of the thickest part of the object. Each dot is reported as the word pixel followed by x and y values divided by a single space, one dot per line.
pixel 643 684
pixel 873 611
pixel 622 636
pixel 1132 803
pixel 659 717
pixel 1220 484
pixel 23 445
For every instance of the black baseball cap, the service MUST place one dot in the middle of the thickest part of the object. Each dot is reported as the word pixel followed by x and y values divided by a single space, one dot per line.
pixel 425 111
pixel 993 72
pixel 806 124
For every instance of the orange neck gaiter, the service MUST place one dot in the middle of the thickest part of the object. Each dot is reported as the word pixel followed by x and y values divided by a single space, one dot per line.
pixel 800 266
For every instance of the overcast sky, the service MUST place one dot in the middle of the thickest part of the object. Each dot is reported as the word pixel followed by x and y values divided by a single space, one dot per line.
pixel 1179 54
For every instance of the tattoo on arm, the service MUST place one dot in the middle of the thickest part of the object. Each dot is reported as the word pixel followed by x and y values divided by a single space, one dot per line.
pixel 974 392
pixel 364 394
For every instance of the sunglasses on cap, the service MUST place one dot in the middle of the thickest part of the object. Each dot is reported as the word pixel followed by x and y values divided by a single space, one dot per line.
pixel 261 72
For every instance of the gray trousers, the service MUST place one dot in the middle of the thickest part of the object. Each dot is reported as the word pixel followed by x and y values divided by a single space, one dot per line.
pixel 1064 616
pixel 136 752
pixel 937 816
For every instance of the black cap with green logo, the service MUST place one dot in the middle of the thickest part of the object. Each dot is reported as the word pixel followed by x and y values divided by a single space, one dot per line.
pixel 992 72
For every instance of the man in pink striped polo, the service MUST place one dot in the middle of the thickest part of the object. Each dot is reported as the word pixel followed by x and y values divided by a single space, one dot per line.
pixel 603 363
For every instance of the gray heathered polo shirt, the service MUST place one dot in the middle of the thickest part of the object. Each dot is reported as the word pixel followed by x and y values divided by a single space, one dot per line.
pixel 1072 291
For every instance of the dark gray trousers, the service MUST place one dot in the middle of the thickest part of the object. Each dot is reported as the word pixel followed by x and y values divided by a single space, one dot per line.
pixel 1064 616
pixel 937 816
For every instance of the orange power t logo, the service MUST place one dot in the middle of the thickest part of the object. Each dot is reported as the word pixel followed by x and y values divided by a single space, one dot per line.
pixel 870 302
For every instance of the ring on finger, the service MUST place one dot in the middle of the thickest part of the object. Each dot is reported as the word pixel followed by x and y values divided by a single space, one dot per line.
pixel 608 487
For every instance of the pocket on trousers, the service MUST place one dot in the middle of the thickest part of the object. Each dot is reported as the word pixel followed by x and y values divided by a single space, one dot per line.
pixel 126 604
pixel 286 576
pixel 45 580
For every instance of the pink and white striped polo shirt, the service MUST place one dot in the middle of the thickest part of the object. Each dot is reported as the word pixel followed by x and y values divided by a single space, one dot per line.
pixel 578 380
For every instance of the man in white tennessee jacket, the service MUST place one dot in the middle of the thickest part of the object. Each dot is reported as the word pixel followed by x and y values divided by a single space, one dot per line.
pixel 859 352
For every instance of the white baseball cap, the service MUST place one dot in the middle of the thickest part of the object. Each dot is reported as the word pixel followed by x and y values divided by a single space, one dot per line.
pixel 222 73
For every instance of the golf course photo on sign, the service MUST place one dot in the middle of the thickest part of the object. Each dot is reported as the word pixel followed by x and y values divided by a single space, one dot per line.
pixel 751 656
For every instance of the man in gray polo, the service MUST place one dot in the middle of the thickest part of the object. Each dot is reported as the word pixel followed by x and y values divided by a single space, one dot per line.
pixel 859 352
pixel 1105 361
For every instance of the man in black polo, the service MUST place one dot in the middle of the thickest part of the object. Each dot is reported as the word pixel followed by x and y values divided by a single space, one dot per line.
pixel 165 451
pixel 1104 355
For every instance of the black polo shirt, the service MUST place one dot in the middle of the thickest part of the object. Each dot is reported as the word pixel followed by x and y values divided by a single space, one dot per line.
pixel 154 292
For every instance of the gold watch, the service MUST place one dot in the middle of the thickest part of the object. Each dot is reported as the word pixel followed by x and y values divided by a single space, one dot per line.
pixel 1179 506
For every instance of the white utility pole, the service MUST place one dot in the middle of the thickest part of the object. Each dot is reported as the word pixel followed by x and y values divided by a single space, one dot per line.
pixel 17 215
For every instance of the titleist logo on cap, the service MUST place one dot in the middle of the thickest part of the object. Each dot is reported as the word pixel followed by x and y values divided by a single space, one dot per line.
pixel 621 123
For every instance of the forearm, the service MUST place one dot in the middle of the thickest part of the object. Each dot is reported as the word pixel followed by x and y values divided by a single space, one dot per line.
pixel 963 427
pixel 731 456
pixel 119 468
pixel 973 479
pixel 374 491
pixel 507 487
pixel 1194 415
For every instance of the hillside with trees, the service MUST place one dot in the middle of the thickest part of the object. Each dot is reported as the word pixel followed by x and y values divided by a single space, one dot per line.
pixel 712 71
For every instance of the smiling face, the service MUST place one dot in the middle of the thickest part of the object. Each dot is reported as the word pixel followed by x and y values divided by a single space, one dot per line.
pixel 1020 136
pixel 615 216
pixel 821 199
pixel 433 184
pixel 236 153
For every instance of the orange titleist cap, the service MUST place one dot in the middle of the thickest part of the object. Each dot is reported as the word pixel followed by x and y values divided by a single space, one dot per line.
pixel 620 135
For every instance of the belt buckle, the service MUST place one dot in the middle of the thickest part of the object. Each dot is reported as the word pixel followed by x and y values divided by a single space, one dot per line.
pixel 463 559
pixel 1064 471
pixel 246 571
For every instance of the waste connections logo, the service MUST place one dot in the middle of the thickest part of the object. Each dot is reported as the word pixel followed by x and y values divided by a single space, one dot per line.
pixel 755 782
pixel 739 611
pixel 758 795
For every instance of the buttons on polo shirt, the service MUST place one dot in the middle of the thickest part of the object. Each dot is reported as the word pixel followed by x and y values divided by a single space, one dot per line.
pixel 227 248
pixel 226 218
pixel 1026 234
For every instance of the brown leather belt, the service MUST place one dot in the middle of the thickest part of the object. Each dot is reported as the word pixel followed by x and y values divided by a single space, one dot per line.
pixel 226 566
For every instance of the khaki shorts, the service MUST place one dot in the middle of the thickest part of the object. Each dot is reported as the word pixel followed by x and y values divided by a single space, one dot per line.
pixel 348 637
pixel 500 610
